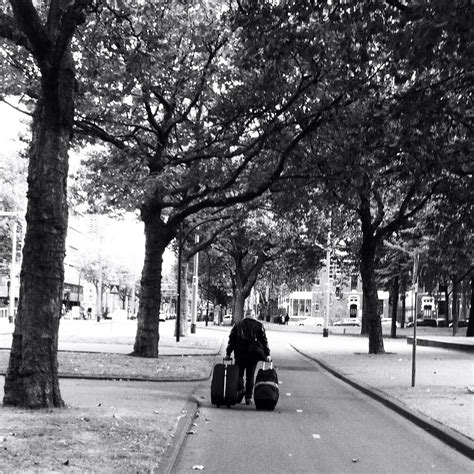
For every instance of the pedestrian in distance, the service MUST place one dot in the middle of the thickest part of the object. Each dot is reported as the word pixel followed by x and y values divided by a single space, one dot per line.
pixel 248 342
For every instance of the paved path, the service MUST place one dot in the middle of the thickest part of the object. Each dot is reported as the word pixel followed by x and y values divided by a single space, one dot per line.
pixel 320 425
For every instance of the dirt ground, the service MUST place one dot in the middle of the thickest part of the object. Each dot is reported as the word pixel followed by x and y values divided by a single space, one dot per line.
pixel 129 437
pixel 77 440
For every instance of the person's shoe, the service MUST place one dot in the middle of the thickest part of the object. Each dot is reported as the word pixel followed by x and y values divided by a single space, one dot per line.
pixel 248 401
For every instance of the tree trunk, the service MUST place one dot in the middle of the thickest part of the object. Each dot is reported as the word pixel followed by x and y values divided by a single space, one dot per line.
pixel 238 303
pixel 446 298
pixel 32 377
pixel 395 295
pixel 157 237
pixel 370 316
pixel 464 289
pixel 183 320
pixel 455 305
pixel 243 281
pixel 470 324
pixel 404 306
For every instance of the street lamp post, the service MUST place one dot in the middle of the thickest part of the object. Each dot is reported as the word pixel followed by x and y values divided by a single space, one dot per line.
pixel 328 289
pixel 415 287
pixel 178 296
pixel 208 287
pixel 195 288
pixel 327 248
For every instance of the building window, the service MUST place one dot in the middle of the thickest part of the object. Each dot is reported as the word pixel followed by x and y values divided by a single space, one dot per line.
pixel 354 280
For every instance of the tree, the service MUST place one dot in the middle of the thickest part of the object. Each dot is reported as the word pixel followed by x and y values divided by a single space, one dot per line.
pixel 246 248
pixel 401 134
pixel 194 121
pixel 394 272
pixel 32 378
pixel 446 237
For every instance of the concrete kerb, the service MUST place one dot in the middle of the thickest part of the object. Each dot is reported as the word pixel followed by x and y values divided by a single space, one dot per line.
pixel 170 455
pixel 192 410
pixel 443 343
pixel 444 433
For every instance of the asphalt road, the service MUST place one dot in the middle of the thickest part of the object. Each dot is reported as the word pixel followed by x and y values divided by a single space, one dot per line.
pixel 320 425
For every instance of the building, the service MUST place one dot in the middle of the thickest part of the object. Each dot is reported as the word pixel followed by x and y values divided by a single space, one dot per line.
pixel 333 293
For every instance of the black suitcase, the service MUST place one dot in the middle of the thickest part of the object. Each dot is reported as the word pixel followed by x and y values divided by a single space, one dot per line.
pixel 266 390
pixel 225 384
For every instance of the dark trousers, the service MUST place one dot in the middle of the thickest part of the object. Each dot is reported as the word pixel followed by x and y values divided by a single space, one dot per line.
pixel 247 367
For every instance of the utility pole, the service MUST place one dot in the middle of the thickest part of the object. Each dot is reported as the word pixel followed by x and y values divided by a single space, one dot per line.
pixel 328 289
pixel 415 288
pixel 178 296
pixel 195 287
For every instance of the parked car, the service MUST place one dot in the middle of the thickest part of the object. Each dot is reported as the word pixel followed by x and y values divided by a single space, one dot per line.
pixel 348 322
pixel 461 324
pixel 227 319
pixel 311 321
pixel 431 322
pixel 167 316
pixel 388 322
pixel 117 314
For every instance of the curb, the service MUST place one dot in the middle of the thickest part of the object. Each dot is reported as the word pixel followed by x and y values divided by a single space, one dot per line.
pixel 183 427
pixel 171 453
pixel 452 438
pixel 455 346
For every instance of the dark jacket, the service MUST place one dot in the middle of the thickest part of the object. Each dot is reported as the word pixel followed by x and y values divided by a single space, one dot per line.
pixel 242 333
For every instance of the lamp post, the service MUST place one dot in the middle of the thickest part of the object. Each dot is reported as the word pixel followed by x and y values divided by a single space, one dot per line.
pixel 328 289
pixel 415 288
pixel 195 288
pixel 181 241
pixel 327 248
pixel 178 297
pixel 208 286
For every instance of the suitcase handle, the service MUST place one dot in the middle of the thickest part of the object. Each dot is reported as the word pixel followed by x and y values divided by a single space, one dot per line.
pixel 265 362
pixel 227 361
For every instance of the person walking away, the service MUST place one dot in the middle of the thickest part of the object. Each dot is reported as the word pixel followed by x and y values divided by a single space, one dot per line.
pixel 248 341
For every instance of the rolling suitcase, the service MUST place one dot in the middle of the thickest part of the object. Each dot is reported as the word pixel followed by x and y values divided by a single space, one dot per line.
pixel 266 390
pixel 225 384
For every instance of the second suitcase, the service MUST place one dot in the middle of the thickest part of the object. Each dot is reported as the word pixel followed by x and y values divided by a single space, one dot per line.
pixel 266 391
pixel 225 384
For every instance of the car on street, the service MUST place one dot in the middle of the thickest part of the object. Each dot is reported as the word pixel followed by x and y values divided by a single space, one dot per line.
pixel 388 322
pixel 227 320
pixel 118 314
pixel 429 322
pixel 461 324
pixel 348 322
pixel 311 321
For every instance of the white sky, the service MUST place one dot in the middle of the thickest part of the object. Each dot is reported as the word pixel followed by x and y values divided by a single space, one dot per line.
pixel 12 124
pixel 123 239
